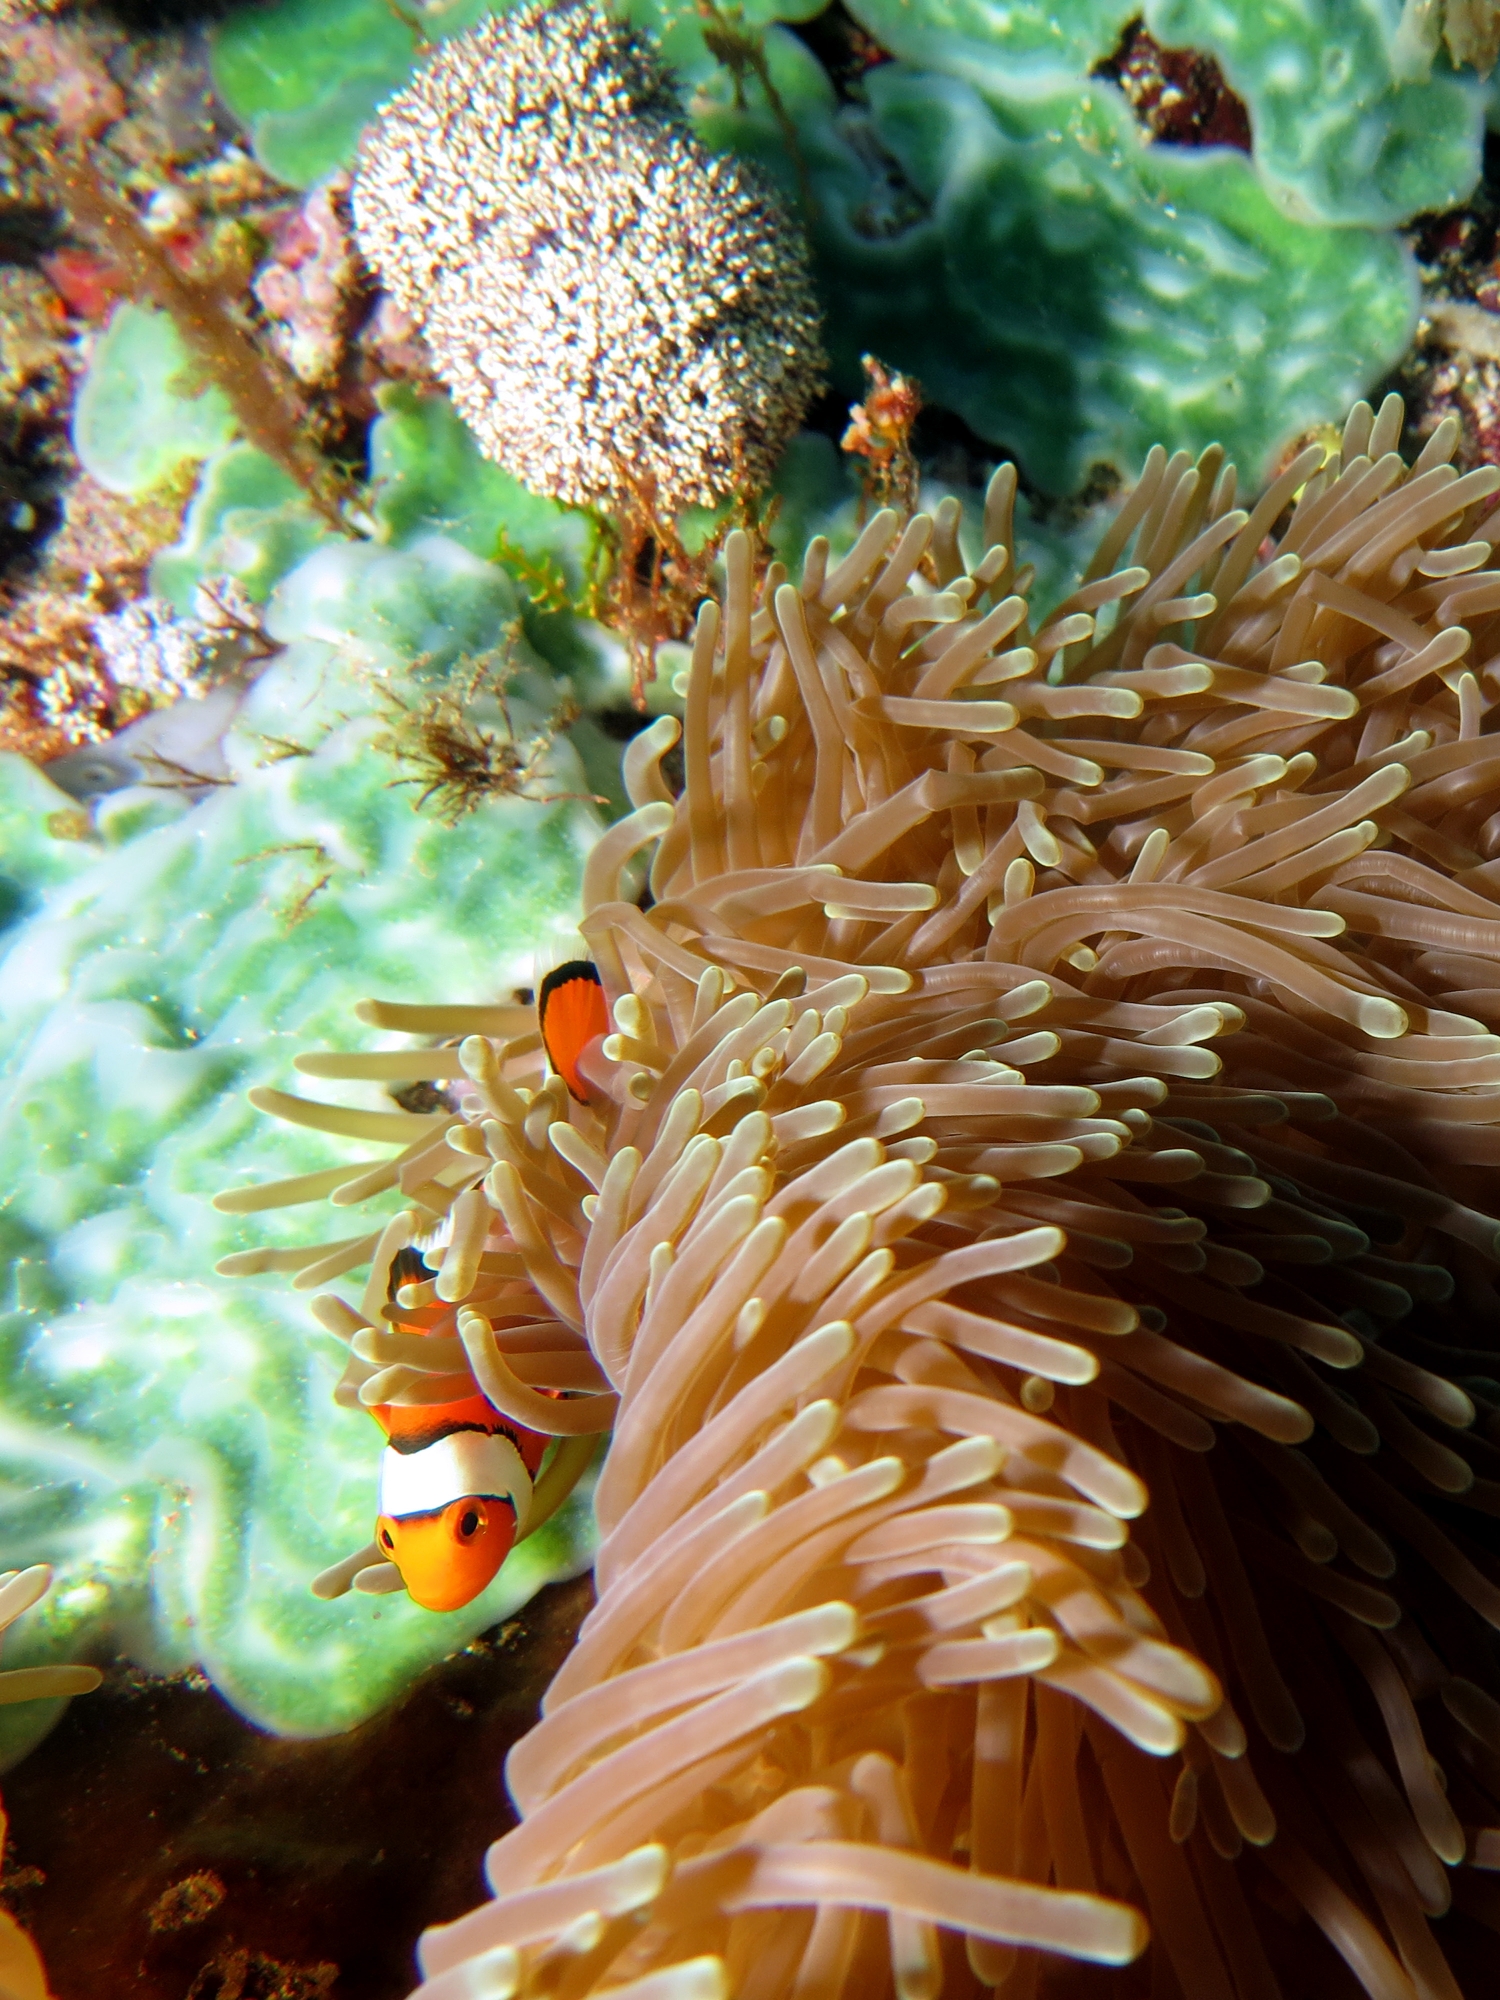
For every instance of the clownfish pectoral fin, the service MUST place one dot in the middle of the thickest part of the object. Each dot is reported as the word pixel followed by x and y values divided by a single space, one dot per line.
pixel 571 1012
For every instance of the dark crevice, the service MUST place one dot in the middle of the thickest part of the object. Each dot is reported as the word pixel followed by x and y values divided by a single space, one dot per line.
pixel 1179 95
pixel 157 17
pixel 846 51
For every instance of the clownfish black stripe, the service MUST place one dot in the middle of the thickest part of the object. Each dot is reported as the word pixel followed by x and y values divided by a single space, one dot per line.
pixel 572 1011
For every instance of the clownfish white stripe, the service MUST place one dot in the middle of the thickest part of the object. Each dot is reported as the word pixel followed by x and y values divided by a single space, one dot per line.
pixel 464 1465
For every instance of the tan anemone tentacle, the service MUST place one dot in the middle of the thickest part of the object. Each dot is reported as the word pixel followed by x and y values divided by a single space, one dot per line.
pixel 1045 1268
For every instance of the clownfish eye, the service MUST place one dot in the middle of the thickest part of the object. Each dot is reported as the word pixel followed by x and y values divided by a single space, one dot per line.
pixel 468 1525
pixel 386 1541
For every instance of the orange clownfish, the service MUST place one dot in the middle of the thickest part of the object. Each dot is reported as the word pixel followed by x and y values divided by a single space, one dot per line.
pixel 571 1011
pixel 455 1483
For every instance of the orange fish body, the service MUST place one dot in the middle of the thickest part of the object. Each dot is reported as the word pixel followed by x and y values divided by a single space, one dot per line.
pixel 455 1484
pixel 572 1012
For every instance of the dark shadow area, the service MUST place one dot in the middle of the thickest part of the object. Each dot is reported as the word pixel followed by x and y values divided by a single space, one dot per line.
pixel 847 51
pixel 156 17
pixel 163 1847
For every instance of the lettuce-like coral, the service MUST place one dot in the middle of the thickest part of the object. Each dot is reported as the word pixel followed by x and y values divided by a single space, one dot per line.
pixel 992 220
pixel 305 75
pixel 1353 121
pixel 1072 290
pixel 158 1423
pixel 139 414
pixel 1351 124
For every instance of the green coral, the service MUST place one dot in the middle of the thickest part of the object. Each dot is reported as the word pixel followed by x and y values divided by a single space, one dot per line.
pixel 306 78
pixel 168 1438
pixel 305 75
pixel 1350 125
pixel 1072 290
pixel 141 409
pixel 428 476
pixel 1340 132
pixel 248 519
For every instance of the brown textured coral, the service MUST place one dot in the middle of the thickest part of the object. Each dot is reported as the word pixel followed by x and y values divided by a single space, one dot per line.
pixel 613 308
pixel 1031 1228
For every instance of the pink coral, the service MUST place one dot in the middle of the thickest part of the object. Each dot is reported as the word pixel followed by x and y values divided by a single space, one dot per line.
pixel 307 286
pixel 54 67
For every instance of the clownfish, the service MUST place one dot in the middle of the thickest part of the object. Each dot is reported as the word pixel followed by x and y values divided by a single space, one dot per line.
pixel 571 1011
pixel 455 1482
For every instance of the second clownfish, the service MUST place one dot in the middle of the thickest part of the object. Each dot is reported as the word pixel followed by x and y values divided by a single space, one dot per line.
pixel 455 1482
pixel 456 1478
pixel 571 1011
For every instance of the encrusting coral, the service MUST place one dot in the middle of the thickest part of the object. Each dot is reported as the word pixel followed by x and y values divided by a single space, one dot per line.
pixel 538 204
pixel 1050 1077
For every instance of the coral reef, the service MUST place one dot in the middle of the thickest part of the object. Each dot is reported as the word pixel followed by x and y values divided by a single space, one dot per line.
pixel 620 318
pixel 1067 286
pixel 1030 1212
pixel 992 218
pixel 1072 230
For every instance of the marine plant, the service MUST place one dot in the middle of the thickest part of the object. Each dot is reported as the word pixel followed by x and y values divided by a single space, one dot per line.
pixel 1029 1212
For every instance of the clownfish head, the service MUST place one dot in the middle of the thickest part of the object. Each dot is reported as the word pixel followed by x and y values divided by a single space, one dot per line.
pixel 450 1510
pixel 446 1558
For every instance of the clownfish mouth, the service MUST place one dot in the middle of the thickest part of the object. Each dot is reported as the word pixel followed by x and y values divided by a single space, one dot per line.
pixel 450 1514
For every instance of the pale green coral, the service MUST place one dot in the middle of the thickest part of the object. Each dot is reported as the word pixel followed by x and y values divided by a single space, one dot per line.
pixel 1071 289
pixel 1343 131
pixel 428 476
pixel 306 78
pixel 1348 127
pixel 305 75
pixel 248 519
pixel 143 409
pixel 168 1439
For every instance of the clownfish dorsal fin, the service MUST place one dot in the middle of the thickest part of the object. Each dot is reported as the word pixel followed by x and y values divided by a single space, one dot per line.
pixel 408 1267
pixel 571 1011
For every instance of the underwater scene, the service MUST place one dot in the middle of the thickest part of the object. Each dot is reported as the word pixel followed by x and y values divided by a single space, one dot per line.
pixel 749 999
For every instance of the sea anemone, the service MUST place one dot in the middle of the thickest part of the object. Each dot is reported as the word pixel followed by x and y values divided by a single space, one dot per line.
pixel 1028 1225
pixel 537 203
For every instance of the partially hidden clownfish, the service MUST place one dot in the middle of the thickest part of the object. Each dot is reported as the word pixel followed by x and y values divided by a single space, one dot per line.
pixel 571 1011
pixel 456 1478
pixel 455 1481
